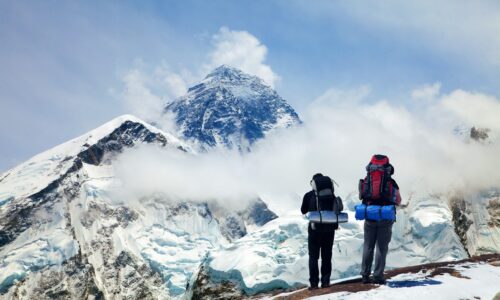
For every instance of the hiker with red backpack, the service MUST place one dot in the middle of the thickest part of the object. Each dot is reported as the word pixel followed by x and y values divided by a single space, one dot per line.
pixel 380 195
pixel 324 211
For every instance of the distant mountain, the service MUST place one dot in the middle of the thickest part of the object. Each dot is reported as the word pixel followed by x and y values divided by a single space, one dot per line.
pixel 63 235
pixel 232 109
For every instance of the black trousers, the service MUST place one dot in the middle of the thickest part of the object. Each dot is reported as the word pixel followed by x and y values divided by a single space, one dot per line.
pixel 320 242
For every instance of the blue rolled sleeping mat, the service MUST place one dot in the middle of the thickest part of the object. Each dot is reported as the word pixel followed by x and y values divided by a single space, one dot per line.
pixel 326 217
pixel 375 212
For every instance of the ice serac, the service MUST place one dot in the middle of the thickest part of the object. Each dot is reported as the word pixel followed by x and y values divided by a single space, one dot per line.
pixel 232 109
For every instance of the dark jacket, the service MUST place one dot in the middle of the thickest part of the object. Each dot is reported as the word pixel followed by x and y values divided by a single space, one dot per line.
pixel 309 204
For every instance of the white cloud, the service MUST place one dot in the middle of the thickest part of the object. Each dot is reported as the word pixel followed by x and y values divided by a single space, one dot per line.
pixel 473 109
pixel 427 92
pixel 176 84
pixel 242 50
pixel 147 91
pixel 172 83
pixel 138 97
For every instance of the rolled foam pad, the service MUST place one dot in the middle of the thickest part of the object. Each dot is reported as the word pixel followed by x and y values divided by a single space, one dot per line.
pixel 327 217
pixel 373 212
pixel 388 212
pixel 360 211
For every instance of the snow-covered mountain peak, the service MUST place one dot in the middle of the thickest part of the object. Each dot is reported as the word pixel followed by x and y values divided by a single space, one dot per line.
pixel 40 170
pixel 232 109
pixel 227 75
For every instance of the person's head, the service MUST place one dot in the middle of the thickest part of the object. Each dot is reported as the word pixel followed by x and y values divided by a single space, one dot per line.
pixel 392 169
pixel 317 175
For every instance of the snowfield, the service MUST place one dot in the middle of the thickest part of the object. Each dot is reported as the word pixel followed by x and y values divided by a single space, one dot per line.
pixel 473 281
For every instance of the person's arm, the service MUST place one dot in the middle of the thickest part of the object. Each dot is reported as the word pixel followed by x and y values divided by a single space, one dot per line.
pixel 398 197
pixel 305 204
pixel 398 194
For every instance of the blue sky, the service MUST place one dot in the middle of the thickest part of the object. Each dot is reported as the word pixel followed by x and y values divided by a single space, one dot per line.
pixel 65 66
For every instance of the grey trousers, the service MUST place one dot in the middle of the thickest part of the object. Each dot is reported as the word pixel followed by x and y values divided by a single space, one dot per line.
pixel 376 234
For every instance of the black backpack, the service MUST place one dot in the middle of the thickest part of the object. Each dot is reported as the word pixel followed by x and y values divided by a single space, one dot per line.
pixel 325 194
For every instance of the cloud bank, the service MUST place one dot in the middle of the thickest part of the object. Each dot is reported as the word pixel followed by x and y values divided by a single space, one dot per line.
pixel 337 139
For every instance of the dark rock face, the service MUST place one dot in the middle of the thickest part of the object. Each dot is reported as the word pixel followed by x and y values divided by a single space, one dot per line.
pixel 19 217
pixel 461 221
pixel 479 134
pixel 73 280
pixel 125 136
pixel 231 108
pixel 257 213
pixel 234 224
pixel 205 288
pixel 232 227
pixel 494 211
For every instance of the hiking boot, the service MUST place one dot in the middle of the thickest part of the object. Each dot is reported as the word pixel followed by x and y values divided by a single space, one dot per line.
pixel 314 287
pixel 325 285
pixel 366 279
pixel 379 280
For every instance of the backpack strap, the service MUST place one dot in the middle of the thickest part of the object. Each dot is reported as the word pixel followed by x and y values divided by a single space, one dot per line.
pixel 317 207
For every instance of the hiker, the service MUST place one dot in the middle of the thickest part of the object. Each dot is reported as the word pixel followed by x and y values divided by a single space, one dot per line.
pixel 380 195
pixel 321 235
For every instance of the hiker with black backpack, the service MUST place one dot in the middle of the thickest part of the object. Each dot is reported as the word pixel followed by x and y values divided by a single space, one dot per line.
pixel 380 195
pixel 323 209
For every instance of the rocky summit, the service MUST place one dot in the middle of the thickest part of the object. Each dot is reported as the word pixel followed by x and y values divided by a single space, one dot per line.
pixel 230 109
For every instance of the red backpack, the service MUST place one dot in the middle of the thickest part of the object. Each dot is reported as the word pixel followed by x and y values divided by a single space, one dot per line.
pixel 377 187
